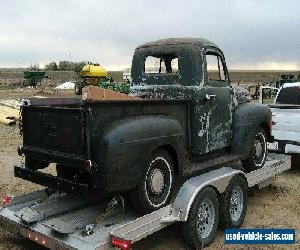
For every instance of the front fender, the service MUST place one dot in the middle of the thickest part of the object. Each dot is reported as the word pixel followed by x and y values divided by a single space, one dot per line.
pixel 248 117
pixel 126 145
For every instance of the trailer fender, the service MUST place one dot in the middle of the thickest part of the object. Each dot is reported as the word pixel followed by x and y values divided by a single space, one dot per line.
pixel 218 179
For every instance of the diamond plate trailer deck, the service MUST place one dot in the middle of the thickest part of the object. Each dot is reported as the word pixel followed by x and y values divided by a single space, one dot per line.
pixel 80 227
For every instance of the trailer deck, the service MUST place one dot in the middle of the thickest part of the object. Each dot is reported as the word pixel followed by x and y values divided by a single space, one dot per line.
pixel 77 222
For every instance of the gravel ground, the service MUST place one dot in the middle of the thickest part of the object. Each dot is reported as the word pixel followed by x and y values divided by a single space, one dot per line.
pixel 275 206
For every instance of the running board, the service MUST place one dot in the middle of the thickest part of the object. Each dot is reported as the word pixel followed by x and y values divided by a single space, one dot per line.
pixel 217 161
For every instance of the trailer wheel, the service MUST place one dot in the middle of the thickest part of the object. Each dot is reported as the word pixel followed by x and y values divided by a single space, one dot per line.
pixel 258 152
pixel 155 188
pixel 201 226
pixel 233 203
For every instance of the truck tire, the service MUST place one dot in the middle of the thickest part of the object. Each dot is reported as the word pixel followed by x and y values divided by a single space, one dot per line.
pixel 78 89
pixel 258 152
pixel 155 188
pixel 233 203
pixel 295 161
pixel 201 226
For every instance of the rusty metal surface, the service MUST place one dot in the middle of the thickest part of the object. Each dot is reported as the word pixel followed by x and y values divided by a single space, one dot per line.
pixel 176 41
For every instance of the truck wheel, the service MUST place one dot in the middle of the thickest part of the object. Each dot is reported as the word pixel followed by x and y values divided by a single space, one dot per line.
pixel 295 161
pixel 155 188
pixel 258 152
pixel 233 203
pixel 201 226
pixel 78 89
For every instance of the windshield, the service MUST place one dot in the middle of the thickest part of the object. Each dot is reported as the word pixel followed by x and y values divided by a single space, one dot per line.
pixel 290 95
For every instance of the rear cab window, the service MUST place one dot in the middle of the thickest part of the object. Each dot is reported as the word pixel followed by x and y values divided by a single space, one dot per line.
pixel 161 69
pixel 164 64
pixel 168 65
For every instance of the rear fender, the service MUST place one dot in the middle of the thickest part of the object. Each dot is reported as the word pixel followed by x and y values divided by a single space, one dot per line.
pixel 126 145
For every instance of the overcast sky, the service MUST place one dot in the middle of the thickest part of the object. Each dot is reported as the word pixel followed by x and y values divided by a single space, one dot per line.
pixel 257 34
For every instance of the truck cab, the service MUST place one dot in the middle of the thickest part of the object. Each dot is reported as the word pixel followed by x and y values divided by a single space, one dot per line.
pixel 193 69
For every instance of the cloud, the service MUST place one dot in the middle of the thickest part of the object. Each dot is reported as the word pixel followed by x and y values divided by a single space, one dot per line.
pixel 251 33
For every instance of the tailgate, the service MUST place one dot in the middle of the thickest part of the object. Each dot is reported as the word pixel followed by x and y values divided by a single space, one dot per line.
pixel 54 133
pixel 286 124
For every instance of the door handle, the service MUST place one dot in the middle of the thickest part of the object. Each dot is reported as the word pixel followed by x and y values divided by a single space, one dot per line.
pixel 208 96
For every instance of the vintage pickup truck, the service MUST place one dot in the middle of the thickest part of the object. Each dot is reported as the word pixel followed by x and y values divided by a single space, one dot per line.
pixel 189 119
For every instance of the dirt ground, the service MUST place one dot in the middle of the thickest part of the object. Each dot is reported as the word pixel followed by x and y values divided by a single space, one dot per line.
pixel 275 206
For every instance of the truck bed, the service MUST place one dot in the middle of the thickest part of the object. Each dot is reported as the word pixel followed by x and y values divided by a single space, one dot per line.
pixel 61 130
pixel 70 132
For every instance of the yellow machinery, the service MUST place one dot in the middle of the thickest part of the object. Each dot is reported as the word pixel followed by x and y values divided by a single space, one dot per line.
pixel 92 74
pixel 93 71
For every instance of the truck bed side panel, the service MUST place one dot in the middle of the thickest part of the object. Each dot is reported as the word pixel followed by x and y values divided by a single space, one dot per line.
pixel 124 138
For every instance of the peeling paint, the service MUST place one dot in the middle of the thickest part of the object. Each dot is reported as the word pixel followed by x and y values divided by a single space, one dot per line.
pixel 204 124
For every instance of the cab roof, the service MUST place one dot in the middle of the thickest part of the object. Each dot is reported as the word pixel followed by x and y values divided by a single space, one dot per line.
pixel 201 42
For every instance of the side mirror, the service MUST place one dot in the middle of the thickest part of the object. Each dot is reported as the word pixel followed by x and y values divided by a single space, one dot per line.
pixel 267 95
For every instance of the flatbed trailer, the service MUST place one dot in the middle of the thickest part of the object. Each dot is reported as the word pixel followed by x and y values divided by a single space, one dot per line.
pixel 71 221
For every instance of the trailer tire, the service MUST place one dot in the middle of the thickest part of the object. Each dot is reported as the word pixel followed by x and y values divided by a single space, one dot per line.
pixel 295 162
pixel 258 152
pixel 155 188
pixel 233 203
pixel 205 208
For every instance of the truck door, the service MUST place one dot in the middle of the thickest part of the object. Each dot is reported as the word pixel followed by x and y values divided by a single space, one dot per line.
pixel 213 111
pixel 219 98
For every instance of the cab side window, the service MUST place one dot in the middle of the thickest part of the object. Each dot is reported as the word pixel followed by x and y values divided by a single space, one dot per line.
pixel 214 68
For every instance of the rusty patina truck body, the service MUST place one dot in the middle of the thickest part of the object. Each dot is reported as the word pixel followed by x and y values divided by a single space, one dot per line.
pixel 189 119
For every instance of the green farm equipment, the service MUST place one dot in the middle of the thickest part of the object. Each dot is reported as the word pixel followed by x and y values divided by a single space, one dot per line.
pixel 103 83
pixel 33 78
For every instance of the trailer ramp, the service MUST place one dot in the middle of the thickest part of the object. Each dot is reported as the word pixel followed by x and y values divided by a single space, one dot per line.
pixel 55 204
